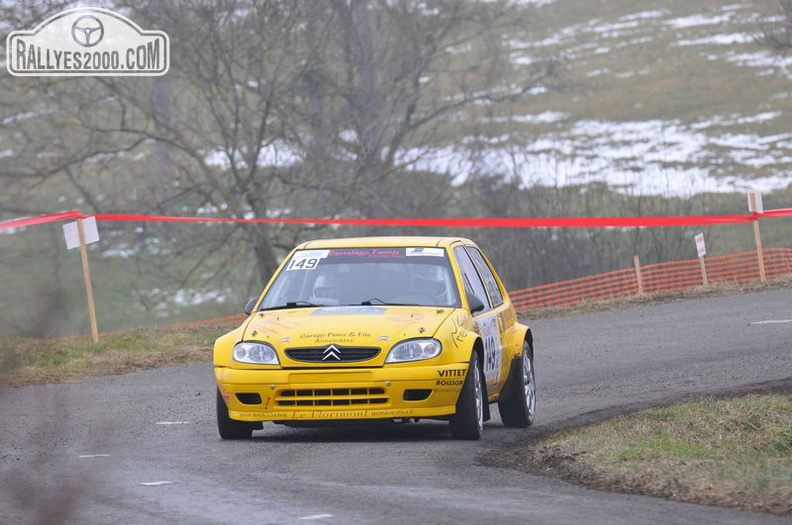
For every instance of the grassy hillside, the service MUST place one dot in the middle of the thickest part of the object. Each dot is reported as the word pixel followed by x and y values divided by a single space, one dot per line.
pixel 675 96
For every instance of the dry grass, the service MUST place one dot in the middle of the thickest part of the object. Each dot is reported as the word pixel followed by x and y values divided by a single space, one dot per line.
pixel 728 452
pixel 34 361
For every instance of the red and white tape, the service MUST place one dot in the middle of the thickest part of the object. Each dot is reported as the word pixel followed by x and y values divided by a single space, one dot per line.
pixel 444 222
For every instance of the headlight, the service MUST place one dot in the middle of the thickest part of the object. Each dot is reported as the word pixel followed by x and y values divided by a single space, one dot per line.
pixel 255 353
pixel 414 350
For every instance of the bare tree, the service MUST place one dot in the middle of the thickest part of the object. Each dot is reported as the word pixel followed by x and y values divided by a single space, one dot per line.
pixel 778 36
pixel 399 71
pixel 271 109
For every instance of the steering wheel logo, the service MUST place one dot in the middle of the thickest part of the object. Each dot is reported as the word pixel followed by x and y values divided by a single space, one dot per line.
pixel 87 31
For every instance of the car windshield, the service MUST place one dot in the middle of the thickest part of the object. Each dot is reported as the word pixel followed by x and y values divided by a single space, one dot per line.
pixel 418 276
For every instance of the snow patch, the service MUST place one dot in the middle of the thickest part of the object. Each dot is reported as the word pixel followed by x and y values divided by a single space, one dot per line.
pixel 699 20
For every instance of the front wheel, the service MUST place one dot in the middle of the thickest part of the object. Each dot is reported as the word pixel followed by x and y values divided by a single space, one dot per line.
pixel 230 428
pixel 468 422
pixel 519 410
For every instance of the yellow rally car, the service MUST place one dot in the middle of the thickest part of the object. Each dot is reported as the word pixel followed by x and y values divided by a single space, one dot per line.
pixel 381 329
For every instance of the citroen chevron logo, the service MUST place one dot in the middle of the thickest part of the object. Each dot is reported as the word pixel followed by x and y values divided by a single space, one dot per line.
pixel 332 351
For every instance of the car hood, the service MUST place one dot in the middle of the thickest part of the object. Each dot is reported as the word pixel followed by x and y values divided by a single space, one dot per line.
pixel 380 326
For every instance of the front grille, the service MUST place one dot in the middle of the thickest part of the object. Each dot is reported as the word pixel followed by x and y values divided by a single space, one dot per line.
pixel 333 354
pixel 315 397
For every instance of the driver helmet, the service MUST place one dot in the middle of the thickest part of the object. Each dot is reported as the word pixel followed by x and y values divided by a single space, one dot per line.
pixel 431 281
pixel 327 286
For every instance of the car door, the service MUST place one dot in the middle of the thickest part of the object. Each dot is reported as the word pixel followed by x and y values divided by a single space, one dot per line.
pixel 487 323
pixel 504 312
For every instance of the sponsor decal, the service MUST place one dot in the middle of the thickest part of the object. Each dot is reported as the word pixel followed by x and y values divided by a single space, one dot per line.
pixel 446 390
pixel 257 416
pixel 335 337
pixel 458 334
pixel 367 252
pixel 274 325
pixel 406 318
pixel 87 41
pixel 326 414
pixel 350 310
pixel 425 252
pixel 352 414
pixel 452 373
pixel 449 382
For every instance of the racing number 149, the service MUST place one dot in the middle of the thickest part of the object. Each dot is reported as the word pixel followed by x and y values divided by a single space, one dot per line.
pixel 303 264
pixel 492 348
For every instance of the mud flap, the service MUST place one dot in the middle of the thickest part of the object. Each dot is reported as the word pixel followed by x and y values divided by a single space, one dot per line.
pixel 513 384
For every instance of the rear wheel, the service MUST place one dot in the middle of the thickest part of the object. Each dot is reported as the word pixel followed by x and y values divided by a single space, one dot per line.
pixel 468 422
pixel 519 410
pixel 230 428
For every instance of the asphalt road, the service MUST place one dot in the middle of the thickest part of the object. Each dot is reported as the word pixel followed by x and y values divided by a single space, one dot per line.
pixel 86 452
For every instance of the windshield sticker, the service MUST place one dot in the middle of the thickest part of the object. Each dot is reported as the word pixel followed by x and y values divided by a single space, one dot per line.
pixel 350 310
pixel 367 252
pixel 425 252
pixel 306 259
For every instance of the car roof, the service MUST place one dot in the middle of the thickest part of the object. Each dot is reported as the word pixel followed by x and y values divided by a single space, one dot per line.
pixel 383 241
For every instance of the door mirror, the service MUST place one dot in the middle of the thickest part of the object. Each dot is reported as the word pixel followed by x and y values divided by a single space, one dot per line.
pixel 475 303
pixel 250 305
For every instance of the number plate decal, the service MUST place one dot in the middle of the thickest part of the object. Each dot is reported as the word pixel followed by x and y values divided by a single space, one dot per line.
pixel 488 328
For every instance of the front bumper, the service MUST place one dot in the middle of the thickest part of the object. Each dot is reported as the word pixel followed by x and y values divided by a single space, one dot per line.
pixel 391 392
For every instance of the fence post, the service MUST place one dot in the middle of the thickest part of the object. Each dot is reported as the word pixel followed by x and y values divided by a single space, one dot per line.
pixel 755 207
pixel 703 272
pixel 87 278
pixel 638 278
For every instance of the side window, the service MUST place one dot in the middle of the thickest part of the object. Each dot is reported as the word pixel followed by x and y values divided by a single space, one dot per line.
pixel 470 276
pixel 490 283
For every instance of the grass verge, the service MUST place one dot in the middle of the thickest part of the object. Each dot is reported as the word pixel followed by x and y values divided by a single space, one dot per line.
pixel 728 452
pixel 36 361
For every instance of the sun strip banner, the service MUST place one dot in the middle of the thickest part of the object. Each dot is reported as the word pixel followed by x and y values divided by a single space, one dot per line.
pixel 446 222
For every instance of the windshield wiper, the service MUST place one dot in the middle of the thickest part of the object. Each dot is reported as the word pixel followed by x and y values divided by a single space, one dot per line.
pixel 292 304
pixel 369 302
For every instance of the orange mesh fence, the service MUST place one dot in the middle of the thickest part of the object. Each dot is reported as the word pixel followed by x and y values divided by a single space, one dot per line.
pixel 592 288
pixel 656 278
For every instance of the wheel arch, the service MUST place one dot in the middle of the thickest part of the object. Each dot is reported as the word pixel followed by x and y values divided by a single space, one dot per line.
pixel 478 348
pixel 515 367
pixel 524 333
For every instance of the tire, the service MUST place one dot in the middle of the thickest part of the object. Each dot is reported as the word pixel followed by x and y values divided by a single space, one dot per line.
pixel 230 428
pixel 519 410
pixel 468 422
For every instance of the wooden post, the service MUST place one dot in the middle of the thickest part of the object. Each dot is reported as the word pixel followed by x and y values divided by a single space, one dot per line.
pixel 638 278
pixel 87 277
pixel 758 238
pixel 703 272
